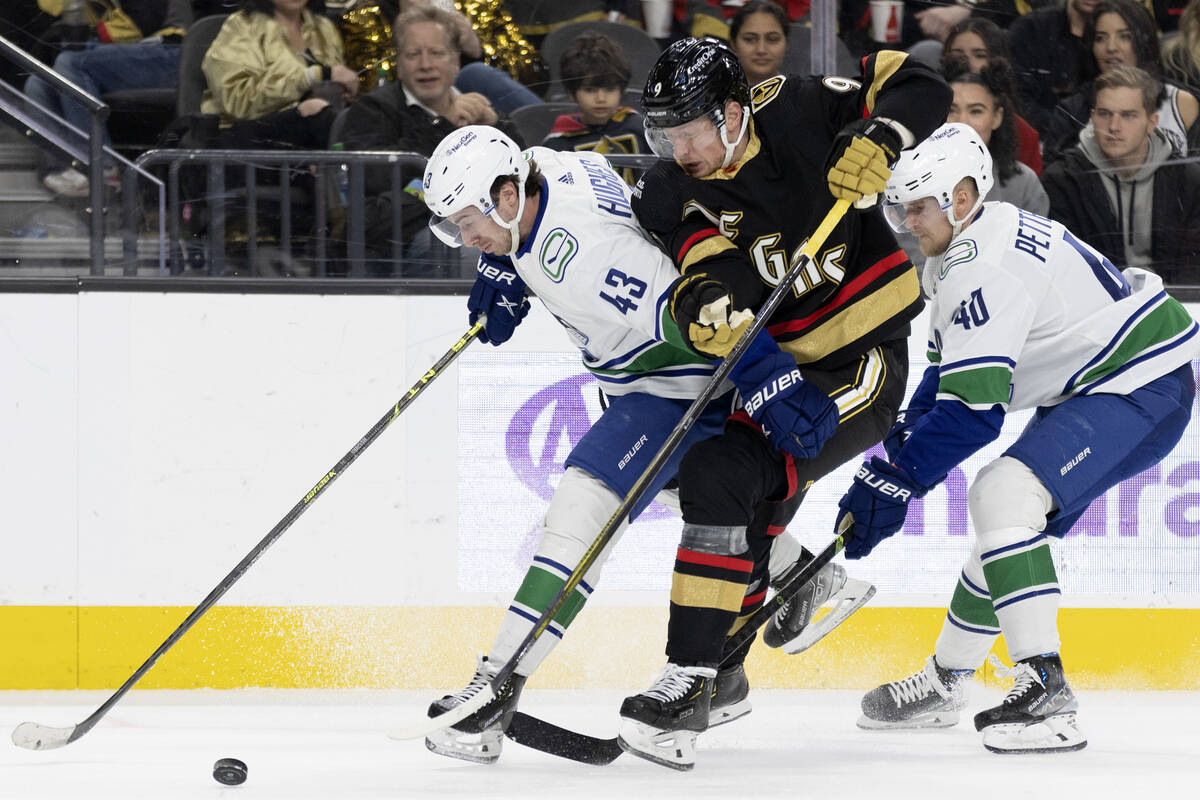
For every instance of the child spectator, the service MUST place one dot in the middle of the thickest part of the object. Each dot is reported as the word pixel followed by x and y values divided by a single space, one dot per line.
pixel 595 72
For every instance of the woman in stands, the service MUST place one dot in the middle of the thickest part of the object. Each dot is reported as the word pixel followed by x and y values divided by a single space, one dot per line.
pixel 1181 55
pixel 977 41
pixel 984 100
pixel 272 72
pixel 758 33
pixel 1122 33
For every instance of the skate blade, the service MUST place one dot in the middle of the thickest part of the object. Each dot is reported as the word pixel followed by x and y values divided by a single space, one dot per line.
pixel 850 598
pixel 673 749
pixel 1056 734
pixel 928 721
pixel 719 716
pixel 478 748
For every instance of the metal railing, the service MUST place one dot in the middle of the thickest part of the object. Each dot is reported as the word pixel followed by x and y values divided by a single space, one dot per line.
pixel 58 133
pixel 323 166
pixel 248 166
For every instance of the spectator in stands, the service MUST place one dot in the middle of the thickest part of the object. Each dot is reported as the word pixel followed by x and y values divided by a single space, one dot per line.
pixel 1181 55
pixel 1118 189
pixel 501 89
pixel 595 73
pixel 977 41
pixel 759 34
pixel 151 62
pixel 984 100
pixel 1122 33
pixel 413 114
pixel 265 70
pixel 1050 58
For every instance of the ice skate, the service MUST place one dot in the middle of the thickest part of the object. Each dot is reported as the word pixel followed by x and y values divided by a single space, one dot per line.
pixel 477 738
pixel 1038 713
pixel 661 724
pixel 730 697
pixel 931 698
pixel 792 628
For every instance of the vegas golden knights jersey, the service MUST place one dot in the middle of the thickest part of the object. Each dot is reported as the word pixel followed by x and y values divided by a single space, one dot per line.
pixel 744 224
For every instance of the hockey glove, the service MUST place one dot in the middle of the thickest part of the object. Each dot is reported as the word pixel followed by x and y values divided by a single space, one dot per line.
pixel 499 295
pixel 797 417
pixel 700 307
pixel 860 161
pixel 877 504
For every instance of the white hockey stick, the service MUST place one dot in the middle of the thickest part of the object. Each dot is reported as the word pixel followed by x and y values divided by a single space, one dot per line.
pixel 421 728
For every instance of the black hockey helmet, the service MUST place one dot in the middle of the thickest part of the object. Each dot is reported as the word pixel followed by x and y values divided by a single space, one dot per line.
pixel 691 78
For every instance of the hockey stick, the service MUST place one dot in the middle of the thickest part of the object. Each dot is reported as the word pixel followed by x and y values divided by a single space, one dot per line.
pixel 550 738
pixel 34 736
pixel 423 727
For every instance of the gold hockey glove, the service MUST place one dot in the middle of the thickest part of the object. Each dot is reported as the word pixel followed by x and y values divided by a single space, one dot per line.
pixel 860 161
pixel 700 307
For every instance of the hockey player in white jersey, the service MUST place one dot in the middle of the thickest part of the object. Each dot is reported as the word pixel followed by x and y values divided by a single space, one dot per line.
pixel 1024 315
pixel 560 226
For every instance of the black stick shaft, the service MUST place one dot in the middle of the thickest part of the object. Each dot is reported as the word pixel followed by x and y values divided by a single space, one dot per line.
pixel 676 436
pixel 317 490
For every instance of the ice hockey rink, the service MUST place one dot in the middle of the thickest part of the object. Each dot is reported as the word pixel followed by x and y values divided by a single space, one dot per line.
pixel 302 744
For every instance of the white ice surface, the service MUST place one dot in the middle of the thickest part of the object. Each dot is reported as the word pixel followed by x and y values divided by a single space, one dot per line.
pixel 796 744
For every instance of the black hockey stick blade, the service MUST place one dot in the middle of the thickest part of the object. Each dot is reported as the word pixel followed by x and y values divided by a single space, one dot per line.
pixel 549 738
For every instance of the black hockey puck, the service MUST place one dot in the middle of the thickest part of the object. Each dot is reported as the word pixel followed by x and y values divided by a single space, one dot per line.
pixel 229 771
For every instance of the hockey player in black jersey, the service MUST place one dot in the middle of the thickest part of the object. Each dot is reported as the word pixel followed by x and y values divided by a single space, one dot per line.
pixel 746 177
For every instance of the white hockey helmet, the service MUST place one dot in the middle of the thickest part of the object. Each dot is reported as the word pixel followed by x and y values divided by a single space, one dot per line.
pixel 933 168
pixel 459 177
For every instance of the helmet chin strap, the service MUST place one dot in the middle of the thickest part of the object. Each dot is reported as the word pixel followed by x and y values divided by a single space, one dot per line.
pixel 957 224
pixel 731 146
pixel 514 227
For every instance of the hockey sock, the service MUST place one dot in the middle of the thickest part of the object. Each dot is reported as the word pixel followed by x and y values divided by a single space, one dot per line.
pixel 707 592
pixel 970 627
pixel 1024 589
pixel 541 585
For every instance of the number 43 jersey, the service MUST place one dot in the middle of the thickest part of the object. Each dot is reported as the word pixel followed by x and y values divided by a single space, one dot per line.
pixel 605 280
pixel 1024 314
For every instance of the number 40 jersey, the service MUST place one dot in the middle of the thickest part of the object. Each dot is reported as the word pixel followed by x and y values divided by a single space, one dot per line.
pixel 605 280
pixel 1024 314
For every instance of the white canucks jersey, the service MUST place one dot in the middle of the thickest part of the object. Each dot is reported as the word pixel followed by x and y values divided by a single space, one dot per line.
pixel 605 280
pixel 1024 314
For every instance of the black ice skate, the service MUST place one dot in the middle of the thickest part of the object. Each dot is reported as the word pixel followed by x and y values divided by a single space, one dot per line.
pixel 661 723
pixel 479 737
pixel 931 698
pixel 1038 713
pixel 730 697
pixel 792 628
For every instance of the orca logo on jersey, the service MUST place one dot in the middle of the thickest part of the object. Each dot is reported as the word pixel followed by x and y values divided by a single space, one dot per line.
pixel 960 252
pixel 558 249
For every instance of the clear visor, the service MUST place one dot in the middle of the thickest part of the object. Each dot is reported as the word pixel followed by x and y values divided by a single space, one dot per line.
pixel 459 226
pixel 700 132
pixel 916 214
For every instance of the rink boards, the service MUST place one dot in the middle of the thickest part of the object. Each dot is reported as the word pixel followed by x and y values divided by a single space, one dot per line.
pixel 152 440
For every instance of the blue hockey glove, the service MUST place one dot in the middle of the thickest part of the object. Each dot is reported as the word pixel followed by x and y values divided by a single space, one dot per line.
pixel 877 503
pixel 796 416
pixel 498 294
